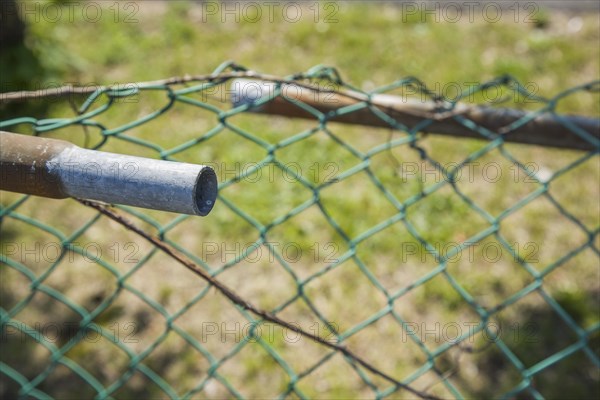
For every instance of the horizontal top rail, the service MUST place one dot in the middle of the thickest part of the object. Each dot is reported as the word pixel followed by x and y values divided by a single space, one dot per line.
pixel 546 129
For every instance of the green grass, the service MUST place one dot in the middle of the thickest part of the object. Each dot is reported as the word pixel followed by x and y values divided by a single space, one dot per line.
pixel 175 40
pixel 371 47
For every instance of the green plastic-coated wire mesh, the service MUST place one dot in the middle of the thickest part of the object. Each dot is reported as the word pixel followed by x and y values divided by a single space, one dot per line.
pixel 455 267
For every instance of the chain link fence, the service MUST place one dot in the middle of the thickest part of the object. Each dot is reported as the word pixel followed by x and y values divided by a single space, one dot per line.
pixel 341 260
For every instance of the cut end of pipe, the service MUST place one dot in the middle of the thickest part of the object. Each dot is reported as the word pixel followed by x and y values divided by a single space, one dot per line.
pixel 249 91
pixel 58 169
pixel 205 191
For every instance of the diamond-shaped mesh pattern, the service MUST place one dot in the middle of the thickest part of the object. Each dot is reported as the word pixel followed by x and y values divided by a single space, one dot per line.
pixel 420 277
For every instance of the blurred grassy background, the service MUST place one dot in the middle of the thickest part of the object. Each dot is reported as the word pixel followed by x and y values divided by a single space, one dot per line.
pixel 371 45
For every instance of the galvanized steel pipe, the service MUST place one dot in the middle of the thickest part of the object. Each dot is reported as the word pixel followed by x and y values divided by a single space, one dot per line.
pixel 59 169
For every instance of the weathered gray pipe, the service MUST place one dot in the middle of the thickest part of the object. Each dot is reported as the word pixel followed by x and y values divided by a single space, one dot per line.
pixel 59 169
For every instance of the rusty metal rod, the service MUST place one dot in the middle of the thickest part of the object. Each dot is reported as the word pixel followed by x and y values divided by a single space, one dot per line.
pixel 59 169
pixel 545 129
